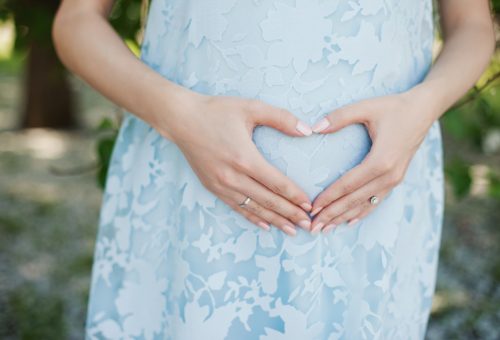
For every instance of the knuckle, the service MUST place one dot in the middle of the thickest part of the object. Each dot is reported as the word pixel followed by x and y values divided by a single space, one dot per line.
pixel 255 208
pixel 383 166
pixel 397 178
pixel 352 204
pixel 223 178
pixel 270 204
pixel 279 188
pixel 327 215
pixel 296 216
pixel 359 202
pixel 295 197
pixel 347 188
pixel 254 104
pixel 240 161
pixel 213 186
pixel 282 117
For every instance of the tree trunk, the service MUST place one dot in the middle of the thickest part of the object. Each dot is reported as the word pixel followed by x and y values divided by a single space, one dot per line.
pixel 47 99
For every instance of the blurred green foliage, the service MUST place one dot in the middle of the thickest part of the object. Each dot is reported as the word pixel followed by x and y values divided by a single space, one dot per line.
pixel 34 18
pixel 104 148
pixel 474 122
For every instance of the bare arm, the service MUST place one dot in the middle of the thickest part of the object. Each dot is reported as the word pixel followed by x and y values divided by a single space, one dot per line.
pixel 88 45
pixel 469 42
pixel 213 132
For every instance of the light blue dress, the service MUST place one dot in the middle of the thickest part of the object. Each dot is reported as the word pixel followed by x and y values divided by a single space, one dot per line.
pixel 172 261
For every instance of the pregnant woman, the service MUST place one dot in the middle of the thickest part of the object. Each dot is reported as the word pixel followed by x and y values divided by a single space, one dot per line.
pixel 278 172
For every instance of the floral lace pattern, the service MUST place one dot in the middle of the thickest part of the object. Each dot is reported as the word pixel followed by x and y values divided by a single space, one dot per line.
pixel 172 261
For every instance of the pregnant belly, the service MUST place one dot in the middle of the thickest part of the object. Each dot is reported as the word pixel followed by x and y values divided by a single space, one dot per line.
pixel 314 162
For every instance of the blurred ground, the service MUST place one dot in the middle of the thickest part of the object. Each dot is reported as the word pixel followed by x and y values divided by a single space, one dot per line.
pixel 48 226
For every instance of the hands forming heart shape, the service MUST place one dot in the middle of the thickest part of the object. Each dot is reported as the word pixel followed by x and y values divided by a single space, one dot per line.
pixel 215 135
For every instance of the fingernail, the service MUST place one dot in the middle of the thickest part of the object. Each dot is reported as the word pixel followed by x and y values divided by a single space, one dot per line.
pixel 303 128
pixel 317 228
pixel 354 221
pixel 329 227
pixel 289 230
pixel 264 225
pixel 321 125
pixel 305 224
pixel 306 206
pixel 315 211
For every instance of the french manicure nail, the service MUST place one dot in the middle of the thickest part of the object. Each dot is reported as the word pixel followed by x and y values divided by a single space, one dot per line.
pixel 321 125
pixel 305 224
pixel 306 206
pixel 303 128
pixel 315 211
pixel 264 225
pixel 354 221
pixel 329 227
pixel 289 230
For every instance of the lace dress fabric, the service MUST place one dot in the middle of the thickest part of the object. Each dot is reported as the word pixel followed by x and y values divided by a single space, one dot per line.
pixel 172 261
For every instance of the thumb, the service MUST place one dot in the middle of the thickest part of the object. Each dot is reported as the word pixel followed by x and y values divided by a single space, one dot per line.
pixel 339 119
pixel 280 119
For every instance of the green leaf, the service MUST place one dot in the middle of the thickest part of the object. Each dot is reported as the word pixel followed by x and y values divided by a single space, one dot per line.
pixel 106 124
pixel 104 151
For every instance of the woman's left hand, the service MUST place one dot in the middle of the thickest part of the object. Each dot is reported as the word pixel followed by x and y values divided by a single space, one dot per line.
pixel 397 125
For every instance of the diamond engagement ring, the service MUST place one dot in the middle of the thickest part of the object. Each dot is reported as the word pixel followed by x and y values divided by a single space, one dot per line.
pixel 245 202
pixel 374 200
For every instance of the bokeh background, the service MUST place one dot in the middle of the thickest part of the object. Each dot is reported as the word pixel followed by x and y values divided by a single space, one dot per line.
pixel 56 136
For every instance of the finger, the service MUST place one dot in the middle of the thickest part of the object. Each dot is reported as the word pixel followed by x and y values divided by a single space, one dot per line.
pixel 377 186
pixel 352 180
pixel 279 118
pixel 342 117
pixel 273 202
pixel 353 215
pixel 366 212
pixel 258 221
pixel 252 218
pixel 263 213
pixel 347 216
pixel 276 181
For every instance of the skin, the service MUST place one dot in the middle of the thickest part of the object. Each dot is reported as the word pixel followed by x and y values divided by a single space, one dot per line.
pixel 221 126
pixel 200 125
pixel 404 119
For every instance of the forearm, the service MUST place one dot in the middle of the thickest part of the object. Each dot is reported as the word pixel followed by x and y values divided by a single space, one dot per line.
pixel 465 55
pixel 87 44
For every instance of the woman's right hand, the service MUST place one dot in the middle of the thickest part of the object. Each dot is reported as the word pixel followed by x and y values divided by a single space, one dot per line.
pixel 215 135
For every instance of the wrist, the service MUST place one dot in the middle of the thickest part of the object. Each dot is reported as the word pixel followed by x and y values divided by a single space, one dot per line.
pixel 173 104
pixel 425 96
